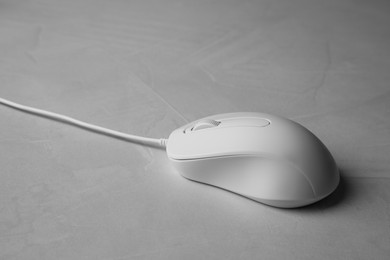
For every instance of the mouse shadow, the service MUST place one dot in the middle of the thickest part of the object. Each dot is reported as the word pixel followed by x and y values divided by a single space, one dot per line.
pixel 341 194
pixel 335 199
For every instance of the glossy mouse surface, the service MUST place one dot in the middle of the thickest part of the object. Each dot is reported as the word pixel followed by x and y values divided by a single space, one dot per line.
pixel 263 157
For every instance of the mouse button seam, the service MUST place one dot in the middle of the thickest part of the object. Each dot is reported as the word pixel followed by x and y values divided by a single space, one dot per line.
pixel 217 128
pixel 221 156
pixel 263 155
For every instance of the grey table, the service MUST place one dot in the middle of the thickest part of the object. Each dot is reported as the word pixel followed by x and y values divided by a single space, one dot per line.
pixel 147 68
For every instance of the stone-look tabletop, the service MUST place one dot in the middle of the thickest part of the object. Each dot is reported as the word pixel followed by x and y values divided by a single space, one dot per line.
pixel 147 68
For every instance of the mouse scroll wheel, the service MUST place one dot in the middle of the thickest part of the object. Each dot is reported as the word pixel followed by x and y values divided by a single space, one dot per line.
pixel 208 123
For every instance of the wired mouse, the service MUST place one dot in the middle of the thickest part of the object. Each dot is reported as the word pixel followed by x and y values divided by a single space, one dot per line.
pixel 266 158
pixel 263 157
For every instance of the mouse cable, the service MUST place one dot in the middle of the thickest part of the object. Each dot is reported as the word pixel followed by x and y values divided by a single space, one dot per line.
pixel 153 142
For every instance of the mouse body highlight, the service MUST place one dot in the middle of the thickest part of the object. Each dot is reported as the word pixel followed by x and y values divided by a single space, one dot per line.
pixel 266 158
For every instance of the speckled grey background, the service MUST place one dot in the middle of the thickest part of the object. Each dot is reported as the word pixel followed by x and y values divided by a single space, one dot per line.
pixel 148 67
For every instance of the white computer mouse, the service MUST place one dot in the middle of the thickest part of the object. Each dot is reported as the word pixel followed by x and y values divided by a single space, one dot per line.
pixel 263 157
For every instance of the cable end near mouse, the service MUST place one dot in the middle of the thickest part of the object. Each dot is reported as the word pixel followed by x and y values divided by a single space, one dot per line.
pixel 163 143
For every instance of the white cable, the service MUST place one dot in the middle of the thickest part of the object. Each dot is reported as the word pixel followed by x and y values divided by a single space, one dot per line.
pixel 131 138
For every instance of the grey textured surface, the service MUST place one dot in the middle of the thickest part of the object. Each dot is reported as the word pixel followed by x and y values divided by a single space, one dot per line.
pixel 147 67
